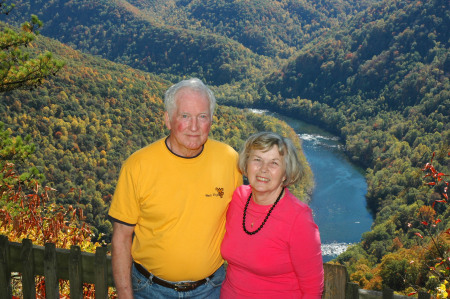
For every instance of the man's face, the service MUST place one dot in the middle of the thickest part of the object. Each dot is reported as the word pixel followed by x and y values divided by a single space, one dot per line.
pixel 189 123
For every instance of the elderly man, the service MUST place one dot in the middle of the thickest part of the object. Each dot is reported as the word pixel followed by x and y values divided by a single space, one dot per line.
pixel 169 207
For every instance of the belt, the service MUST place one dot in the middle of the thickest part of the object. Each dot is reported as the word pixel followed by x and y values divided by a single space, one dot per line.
pixel 177 286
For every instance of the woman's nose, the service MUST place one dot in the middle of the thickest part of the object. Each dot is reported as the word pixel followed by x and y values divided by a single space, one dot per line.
pixel 264 167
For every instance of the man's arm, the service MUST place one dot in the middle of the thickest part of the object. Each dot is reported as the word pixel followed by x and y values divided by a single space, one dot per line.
pixel 121 259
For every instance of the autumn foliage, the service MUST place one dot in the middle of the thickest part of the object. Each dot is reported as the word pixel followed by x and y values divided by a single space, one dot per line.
pixel 437 249
pixel 421 262
pixel 29 210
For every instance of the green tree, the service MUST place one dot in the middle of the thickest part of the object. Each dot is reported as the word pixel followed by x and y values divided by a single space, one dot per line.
pixel 17 68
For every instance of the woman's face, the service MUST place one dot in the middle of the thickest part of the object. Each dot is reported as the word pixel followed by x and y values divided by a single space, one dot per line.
pixel 266 171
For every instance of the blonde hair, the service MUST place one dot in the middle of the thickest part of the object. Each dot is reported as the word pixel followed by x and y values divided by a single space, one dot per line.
pixel 264 141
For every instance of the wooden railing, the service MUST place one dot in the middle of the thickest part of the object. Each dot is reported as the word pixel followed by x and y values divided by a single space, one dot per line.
pixel 81 267
pixel 337 285
pixel 73 265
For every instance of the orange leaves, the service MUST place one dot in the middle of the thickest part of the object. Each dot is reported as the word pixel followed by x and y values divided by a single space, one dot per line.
pixel 427 214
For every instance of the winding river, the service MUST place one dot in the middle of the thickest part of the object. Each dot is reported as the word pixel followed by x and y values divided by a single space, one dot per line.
pixel 338 200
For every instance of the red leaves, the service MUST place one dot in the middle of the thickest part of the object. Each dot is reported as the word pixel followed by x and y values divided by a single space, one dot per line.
pixel 440 263
pixel 426 223
pixel 33 214
pixel 439 176
pixel 437 181
pixel 440 186
pixel 418 234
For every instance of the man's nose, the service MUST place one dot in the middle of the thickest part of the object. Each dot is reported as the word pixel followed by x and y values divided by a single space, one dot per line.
pixel 194 124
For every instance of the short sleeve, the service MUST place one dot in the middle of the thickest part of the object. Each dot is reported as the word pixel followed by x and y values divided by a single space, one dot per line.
pixel 125 203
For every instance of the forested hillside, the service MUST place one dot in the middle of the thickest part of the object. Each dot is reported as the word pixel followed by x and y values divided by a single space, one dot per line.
pixel 386 58
pixel 219 41
pixel 120 32
pixel 375 73
pixel 270 28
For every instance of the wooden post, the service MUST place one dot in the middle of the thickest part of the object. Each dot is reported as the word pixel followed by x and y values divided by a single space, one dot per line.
pixel 335 281
pixel 423 295
pixel 75 273
pixel 5 272
pixel 388 293
pixel 28 285
pixel 50 268
pixel 101 273
pixel 352 291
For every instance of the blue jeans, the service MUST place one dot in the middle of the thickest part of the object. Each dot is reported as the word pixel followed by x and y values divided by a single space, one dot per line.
pixel 144 288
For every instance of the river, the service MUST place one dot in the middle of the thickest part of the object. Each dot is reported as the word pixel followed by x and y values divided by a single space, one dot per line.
pixel 338 200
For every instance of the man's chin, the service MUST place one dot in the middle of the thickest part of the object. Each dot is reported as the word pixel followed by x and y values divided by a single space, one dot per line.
pixel 194 148
pixel 196 145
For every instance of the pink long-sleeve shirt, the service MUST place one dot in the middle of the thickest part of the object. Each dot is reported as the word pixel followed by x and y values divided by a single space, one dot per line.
pixel 282 260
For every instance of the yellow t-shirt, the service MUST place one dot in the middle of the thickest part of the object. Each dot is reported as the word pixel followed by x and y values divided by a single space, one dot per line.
pixel 178 206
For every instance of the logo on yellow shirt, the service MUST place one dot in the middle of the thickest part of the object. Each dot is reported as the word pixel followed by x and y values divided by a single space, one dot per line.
pixel 220 191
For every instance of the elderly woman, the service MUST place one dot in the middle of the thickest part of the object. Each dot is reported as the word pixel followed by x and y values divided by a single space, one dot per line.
pixel 272 244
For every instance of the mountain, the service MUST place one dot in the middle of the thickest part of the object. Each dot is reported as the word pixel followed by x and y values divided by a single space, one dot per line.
pixel 119 32
pixel 386 57
pixel 269 28
pixel 219 41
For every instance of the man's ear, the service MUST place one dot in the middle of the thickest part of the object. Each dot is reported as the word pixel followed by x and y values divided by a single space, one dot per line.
pixel 167 119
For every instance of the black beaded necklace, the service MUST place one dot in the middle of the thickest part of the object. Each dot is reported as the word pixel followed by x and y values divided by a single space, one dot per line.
pixel 265 219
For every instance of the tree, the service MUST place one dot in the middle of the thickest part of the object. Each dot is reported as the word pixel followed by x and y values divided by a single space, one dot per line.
pixel 17 68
